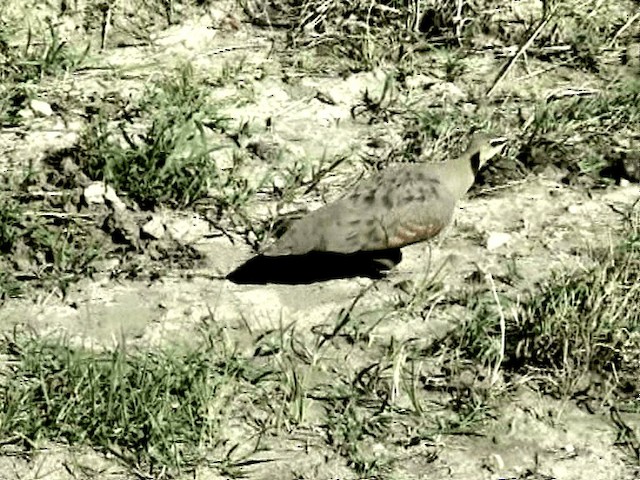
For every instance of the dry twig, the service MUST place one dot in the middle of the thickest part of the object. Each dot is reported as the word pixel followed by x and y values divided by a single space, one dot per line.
pixel 507 68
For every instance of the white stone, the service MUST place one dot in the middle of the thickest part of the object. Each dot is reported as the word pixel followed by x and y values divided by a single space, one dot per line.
pixel 188 229
pixel 40 108
pixel 114 201
pixel 94 193
pixel 574 209
pixel 25 114
pixel 497 239
pixel 154 228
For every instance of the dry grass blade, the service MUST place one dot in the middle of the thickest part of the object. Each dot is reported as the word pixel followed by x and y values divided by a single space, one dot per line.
pixel 623 28
pixel 509 65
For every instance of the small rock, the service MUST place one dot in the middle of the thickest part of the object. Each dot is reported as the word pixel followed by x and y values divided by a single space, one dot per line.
pixel 25 114
pixel 188 229
pixel 573 209
pixel 252 238
pixel 40 108
pixel 154 228
pixel 497 239
pixel 94 193
pixel 279 182
pixel 113 200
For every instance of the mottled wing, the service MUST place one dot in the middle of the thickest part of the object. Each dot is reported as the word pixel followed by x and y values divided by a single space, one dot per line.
pixel 411 205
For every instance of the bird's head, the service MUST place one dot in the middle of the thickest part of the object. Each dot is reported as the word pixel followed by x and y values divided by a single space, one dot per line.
pixel 483 147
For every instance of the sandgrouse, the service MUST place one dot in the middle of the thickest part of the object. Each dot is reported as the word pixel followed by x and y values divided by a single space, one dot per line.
pixel 396 207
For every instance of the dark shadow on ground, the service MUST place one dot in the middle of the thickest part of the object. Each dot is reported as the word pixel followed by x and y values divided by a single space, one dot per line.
pixel 315 267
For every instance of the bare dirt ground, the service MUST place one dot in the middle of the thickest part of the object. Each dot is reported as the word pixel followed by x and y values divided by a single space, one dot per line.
pixel 515 234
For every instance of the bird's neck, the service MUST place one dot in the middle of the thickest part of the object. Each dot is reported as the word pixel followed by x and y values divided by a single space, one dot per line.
pixel 460 173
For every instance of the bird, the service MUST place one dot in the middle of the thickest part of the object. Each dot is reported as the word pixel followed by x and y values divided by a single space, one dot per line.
pixel 391 209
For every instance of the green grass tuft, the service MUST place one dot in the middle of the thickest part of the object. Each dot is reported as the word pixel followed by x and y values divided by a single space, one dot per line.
pixel 576 327
pixel 169 162
pixel 151 409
